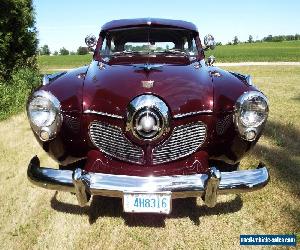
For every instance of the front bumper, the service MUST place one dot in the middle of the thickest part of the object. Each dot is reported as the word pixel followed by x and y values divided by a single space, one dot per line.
pixel 207 186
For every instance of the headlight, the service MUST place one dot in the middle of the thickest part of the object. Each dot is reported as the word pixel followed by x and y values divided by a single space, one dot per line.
pixel 44 115
pixel 251 111
pixel 41 111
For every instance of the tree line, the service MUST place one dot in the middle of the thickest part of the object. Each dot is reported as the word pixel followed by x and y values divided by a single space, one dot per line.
pixel 45 50
pixel 269 38
pixel 281 38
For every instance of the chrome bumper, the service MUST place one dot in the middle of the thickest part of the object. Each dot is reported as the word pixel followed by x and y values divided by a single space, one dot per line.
pixel 206 186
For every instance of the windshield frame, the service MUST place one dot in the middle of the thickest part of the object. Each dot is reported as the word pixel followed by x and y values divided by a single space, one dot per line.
pixel 102 35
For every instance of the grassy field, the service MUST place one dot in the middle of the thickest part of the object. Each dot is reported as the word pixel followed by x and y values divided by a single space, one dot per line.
pixel 48 63
pixel 255 52
pixel 287 51
pixel 33 218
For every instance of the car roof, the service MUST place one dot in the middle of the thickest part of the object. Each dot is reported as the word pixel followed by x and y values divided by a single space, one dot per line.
pixel 126 23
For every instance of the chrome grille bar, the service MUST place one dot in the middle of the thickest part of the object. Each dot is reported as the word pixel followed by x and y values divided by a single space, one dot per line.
pixel 185 140
pixel 111 140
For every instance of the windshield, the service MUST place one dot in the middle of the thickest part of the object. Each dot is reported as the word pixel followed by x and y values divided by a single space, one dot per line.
pixel 149 41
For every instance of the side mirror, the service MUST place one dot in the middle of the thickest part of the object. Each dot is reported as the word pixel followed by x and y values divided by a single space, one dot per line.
pixel 209 42
pixel 211 60
pixel 91 42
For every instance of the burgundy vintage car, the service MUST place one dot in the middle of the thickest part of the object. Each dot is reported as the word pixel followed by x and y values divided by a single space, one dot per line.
pixel 148 121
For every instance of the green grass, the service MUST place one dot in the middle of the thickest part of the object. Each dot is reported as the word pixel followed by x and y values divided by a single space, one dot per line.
pixel 287 51
pixel 48 63
pixel 36 218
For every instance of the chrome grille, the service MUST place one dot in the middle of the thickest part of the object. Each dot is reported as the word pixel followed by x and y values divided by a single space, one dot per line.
pixel 185 140
pixel 111 140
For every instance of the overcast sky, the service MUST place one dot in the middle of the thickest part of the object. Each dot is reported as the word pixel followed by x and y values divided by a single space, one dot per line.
pixel 66 22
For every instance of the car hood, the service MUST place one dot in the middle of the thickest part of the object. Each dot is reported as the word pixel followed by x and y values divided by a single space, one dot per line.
pixel 110 88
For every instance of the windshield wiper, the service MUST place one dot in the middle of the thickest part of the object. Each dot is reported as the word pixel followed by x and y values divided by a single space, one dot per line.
pixel 175 51
pixel 172 51
pixel 125 52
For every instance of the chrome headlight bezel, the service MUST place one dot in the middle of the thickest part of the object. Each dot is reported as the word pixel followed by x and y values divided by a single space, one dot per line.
pixel 239 111
pixel 45 101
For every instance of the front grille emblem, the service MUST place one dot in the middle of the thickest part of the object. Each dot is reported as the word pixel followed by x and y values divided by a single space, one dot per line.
pixel 148 84
pixel 147 117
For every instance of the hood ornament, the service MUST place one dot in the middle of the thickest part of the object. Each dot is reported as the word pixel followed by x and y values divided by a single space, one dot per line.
pixel 148 84
pixel 148 67
pixel 101 65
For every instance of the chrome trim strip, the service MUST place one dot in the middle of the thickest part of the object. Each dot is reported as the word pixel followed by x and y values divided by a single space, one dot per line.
pixel 181 186
pixel 46 80
pixel 193 113
pixel 88 111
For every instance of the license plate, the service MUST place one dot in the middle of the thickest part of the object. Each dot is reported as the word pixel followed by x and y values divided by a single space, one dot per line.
pixel 147 203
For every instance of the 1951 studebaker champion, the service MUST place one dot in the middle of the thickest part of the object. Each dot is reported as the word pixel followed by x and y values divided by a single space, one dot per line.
pixel 149 120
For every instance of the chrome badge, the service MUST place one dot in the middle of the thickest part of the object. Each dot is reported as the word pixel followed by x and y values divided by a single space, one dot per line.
pixel 148 84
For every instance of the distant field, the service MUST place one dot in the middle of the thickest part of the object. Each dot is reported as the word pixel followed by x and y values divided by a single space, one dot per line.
pixel 47 63
pixel 288 51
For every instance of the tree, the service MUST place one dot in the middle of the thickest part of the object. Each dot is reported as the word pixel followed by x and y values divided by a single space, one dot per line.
pixel 83 50
pixel 45 50
pixel 63 51
pixel 281 38
pixel 55 53
pixel 250 39
pixel 235 40
pixel 18 42
pixel 269 38
pixel 127 47
pixel 72 53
